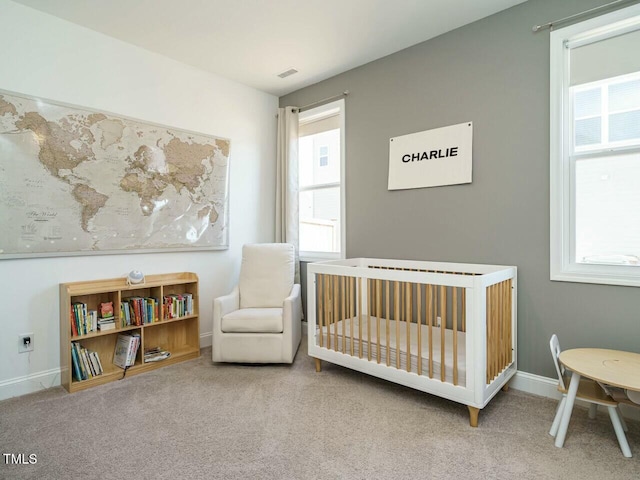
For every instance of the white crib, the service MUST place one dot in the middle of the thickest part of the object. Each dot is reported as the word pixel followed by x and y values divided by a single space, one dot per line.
pixel 443 328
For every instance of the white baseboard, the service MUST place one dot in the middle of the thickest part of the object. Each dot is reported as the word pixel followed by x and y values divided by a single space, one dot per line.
pixel 34 382
pixel 535 384
pixel 547 387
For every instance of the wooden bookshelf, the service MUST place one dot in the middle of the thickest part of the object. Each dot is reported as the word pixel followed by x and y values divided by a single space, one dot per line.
pixel 178 335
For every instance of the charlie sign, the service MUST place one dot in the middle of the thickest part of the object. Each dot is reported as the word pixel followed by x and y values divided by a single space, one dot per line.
pixel 431 158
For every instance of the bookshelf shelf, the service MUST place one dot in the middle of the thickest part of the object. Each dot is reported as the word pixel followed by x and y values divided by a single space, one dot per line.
pixel 179 335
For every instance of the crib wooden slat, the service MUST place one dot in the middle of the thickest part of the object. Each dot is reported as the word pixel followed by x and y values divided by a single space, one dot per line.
pixel 336 312
pixel 443 327
pixel 503 316
pixel 320 306
pixel 464 309
pixel 508 320
pixel 454 319
pixel 419 320
pixel 327 309
pixel 505 322
pixel 360 316
pixel 378 310
pixel 430 322
pixel 387 318
pixel 488 320
pixel 489 332
pixel 494 321
pixel 351 315
pixel 496 339
pixel 343 301
pixel 499 333
pixel 369 303
pixel 396 307
pixel 510 315
pixel 408 319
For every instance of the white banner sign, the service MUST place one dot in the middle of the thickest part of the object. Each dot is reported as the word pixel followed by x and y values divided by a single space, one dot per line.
pixel 441 156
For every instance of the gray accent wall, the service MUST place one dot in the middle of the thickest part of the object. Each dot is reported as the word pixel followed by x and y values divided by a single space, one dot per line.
pixel 495 73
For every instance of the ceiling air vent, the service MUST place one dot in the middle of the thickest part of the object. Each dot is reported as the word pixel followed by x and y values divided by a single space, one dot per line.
pixel 288 73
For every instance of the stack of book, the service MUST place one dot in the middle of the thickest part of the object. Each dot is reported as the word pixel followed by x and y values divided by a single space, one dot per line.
pixel 155 354
pixel 177 305
pixel 106 324
pixel 86 363
pixel 139 310
pixel 126 350
pixel 83 321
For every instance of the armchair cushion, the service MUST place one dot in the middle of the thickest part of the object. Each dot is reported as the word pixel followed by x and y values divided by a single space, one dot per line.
pixel 266 275
pixel 253 320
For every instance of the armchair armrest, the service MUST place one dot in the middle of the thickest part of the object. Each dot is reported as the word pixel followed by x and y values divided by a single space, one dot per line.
pixel 292 320
pixel 224 305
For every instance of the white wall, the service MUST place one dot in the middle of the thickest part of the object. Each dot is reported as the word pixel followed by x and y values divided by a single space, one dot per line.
pixel 51 58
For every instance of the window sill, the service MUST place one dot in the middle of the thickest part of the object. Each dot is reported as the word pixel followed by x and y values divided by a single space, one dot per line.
pixel 319 257
pixel 597 278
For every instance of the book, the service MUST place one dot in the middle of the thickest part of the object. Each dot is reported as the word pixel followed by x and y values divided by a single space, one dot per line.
pixel 74 326
pixel 106 324
pixel 92 319
pixel 157 357
pixel 76 348
pixel 97 358
pixel 77 374
pixel 134 348
pixel 93 363
pixel 85 361
pixel 155 354
pixel 79 310
pixel 125 314
pixel 126 349
pixel 88 362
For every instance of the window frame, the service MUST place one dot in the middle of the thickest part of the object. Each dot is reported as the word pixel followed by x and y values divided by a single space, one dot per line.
pixel 312 115
pixel 563 266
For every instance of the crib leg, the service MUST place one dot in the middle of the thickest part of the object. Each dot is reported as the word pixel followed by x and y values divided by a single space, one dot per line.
pixel 505 387
pixel 473 415
pixel 318 365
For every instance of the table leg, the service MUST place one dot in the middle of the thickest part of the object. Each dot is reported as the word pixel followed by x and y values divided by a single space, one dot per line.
pixel 568 408
pixel 617 426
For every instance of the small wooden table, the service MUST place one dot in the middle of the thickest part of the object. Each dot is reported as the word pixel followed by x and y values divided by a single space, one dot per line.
pixel 611 367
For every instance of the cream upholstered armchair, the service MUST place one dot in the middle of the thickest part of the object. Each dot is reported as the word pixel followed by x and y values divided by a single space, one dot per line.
pixel 260 320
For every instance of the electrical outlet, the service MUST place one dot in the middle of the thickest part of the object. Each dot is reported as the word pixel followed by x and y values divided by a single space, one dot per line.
pixel 25 342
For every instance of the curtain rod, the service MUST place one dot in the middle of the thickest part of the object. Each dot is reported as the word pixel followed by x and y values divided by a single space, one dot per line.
pixel 324 100
pixel 537 28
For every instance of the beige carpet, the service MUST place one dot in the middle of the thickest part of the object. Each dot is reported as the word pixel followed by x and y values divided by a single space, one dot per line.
pixel 198 420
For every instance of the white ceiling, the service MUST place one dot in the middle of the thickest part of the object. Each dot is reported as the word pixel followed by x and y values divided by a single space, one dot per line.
pixel 252 41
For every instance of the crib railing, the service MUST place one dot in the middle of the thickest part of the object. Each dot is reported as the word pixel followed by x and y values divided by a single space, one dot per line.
pixel 353 312
pixel 499 334
pixel 354 316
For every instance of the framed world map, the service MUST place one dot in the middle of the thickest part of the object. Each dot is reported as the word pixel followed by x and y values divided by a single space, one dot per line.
pixel 75 182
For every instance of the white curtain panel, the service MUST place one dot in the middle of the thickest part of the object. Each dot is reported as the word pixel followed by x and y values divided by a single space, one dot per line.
pixel 287 181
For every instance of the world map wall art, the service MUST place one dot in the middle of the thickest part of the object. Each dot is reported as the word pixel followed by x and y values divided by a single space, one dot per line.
pixel 76 182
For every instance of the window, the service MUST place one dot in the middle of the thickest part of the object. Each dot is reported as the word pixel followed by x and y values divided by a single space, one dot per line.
pixel 595 150
pixel 321 174
pixel 324 155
